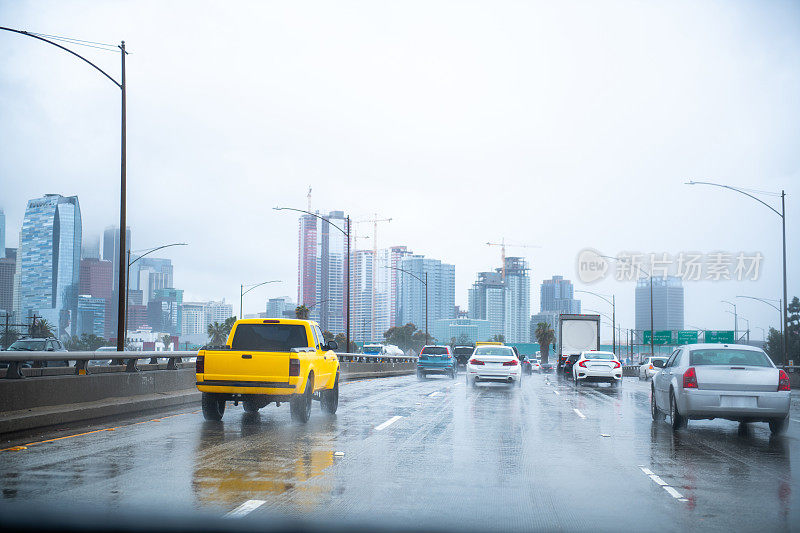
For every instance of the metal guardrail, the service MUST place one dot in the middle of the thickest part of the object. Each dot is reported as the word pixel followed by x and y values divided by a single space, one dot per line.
pixel 16 359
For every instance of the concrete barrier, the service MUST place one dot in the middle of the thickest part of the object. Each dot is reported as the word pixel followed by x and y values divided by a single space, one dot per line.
pixel 58 396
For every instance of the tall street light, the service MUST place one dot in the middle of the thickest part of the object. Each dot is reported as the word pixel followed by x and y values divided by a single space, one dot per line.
pixel 147 251
pixel 735 321
pixel 769 303
pixel 742 318
pixel 782 214
pixel 249 288
pixel 347 261
pixel 425 283
pixel 613 303
pixel 122 307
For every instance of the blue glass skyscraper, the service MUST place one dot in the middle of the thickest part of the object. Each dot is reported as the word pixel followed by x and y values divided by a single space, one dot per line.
pixel 48 262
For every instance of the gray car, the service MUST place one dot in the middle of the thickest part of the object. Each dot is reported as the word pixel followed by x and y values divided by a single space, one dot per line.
pixel 730 381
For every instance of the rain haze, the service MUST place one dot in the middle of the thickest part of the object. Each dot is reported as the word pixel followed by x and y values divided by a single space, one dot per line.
pixel 561 125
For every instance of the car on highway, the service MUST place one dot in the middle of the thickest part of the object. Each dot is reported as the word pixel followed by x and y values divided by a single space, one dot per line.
pixel 547 368
pixel 730 381
pixel 568 363
pixel 270 361
pixel 650 367
pixel 536 366
pixel 39 344
pixel 436 359
pixel 598 367
pixel 494 363
pixel 462 354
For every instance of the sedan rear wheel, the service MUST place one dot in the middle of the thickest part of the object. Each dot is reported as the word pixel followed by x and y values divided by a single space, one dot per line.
pixel 778 425
pixel 677 420
pixel 655 412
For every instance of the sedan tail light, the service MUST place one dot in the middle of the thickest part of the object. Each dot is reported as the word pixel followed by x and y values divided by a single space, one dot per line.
pixel 582 364
pixel 294 367
pixel 200 364
pixel 690 378
pixel 513 362
pixel 617 364
pixel 476 362
pixel 783 381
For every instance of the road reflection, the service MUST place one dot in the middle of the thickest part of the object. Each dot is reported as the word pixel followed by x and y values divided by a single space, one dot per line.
pixel 256 456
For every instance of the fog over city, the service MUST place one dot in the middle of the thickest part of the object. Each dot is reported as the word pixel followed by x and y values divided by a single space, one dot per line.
pixel 560 125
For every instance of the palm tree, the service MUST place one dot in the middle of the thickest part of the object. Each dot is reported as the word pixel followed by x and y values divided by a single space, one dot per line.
pixel 545 336
pixel 167 340
pixel 217 334
pixel 301 312
pixel 42 329
pixel 499 338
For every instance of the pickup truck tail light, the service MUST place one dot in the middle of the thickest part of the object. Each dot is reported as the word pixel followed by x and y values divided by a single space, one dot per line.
pixel 690 378
pixel 513 362
pixel 294 367
pixel 476 362
pixel 200 364
pixel 783 381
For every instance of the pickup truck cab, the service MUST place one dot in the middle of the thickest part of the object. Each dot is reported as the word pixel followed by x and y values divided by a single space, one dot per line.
pixel 270 360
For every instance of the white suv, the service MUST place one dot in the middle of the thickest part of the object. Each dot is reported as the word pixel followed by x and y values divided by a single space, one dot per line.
pixel 598 367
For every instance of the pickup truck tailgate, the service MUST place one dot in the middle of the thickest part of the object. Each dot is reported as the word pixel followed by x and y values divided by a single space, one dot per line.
pixel 225 365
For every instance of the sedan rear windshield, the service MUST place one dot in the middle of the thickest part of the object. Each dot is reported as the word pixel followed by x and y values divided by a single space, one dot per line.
pixel 600 355
pixel 434 350
pixel 725 357
pixel 269 337
pixel 460 351
pixel 494 350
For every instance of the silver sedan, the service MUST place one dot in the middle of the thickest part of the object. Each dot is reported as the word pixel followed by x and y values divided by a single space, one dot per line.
pixel 730 381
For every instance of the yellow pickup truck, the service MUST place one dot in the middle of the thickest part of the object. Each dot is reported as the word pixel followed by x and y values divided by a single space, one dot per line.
pixel 270 360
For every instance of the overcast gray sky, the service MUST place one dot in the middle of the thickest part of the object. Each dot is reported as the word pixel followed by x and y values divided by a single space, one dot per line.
pixel 561 124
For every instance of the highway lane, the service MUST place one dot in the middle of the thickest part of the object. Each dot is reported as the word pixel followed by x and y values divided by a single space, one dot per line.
pixel 434 452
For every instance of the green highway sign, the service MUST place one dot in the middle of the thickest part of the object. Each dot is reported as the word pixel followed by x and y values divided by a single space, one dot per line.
pixel 720 336
pixel 662 337
pixel 687 336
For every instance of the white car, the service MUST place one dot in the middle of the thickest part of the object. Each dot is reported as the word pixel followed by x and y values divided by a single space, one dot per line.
pixel 494 363
pixel 536 366
pixel 597 366
pixel 648 369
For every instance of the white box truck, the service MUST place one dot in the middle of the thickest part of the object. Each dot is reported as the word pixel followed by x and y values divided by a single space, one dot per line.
pixel 576 333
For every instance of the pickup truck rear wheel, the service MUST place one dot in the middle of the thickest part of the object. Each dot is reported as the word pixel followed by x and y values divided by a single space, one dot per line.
pixel 251 406
pixel 300 405
pixel 213 406
pixel 330 398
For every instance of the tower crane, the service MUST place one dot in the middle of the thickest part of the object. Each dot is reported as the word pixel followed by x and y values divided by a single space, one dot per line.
pixel 502 244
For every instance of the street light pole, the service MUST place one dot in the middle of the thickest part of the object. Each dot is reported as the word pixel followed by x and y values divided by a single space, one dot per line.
pixel 122 307
pixel 613 302
pixel 769 303
pixel 735 321
pixel 242 292
pixel 782 214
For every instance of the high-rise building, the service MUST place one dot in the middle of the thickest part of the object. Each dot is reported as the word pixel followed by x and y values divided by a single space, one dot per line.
pixel 557 295
pixel 90 247
pixel 149 274
pixel 164 310
pixel 667 304
pixel 96 278
pixel 280 307
pixel 111 249
pixel 517 300
pixel 321 269
pixel 2 234
pixel 463 330
pixel 194 318
pixel 487 301
pixel 441 288
pixel 8 266
pixel 91 315
pixel 48 262
pixel 218 312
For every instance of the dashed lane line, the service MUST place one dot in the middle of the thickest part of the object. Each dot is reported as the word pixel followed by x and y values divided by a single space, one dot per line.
pixel 434 393
pixel 556 392
pixel 245 509
pixel 388 423
pixel 663 484
pixel 579 413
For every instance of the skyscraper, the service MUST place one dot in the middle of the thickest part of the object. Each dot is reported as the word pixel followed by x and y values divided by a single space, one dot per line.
pixel 505 303
pixel 8 266
pixel 441 278
pixel 150 274
pixel 48 262
pixel 321 269
pixel 91 315
pixel 2 234
pixel 667 304
pixel 557 295
pixel 111 249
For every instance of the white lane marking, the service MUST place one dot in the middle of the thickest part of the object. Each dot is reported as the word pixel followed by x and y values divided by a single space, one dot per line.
pixel 459 383
pixel 434 393
pixel 795 420
pixel 674 493
pixel 658 480
pixel 556 392
pixel 579 413
pixel 388 423
pixel 646 471
pixel 246 508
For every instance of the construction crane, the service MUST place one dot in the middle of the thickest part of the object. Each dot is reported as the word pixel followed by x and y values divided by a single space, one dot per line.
pixel 502 244
pixel 374 220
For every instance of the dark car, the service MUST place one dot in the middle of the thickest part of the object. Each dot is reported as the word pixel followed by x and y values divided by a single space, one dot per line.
pixel 547 368
pixel 39 345
pixel 462 354
pixel 568 363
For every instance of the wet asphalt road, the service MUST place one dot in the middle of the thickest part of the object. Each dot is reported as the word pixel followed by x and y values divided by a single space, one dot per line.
pixel 429 453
